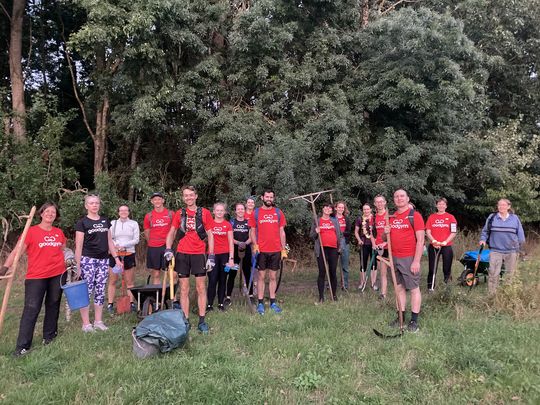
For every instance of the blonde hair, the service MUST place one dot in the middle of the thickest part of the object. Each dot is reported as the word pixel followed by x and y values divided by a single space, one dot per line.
pixel 506 200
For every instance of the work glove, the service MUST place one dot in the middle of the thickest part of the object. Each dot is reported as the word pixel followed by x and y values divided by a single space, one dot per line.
pixel 168 255
pixel 211 262
pixel 256 249
pixel 3 270
pixel 284 253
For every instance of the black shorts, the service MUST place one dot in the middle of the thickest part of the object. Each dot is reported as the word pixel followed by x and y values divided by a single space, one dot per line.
pixel 128 260
pixel 187 264
pixel 155 259
pixel 269 261
pixel 385 255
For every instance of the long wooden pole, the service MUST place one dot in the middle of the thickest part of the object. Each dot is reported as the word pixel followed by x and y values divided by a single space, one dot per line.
pixel 322 250
pixel 392 272
pixel 11 276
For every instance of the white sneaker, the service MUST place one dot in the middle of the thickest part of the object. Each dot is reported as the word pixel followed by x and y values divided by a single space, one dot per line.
pixel 88 328
pixel 100 326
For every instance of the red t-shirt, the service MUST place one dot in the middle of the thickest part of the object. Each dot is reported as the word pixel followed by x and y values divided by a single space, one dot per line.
pixel 380 222
pixel 342 223
pixel 441 226
pixel 220 231
pixel 248 215
pixel 328 232
pixel 267 229
pixel 45 253
pixel 402 235
pixel 159 228
pixel 191 243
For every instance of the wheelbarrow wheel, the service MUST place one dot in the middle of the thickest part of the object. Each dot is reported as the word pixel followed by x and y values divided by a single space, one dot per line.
pixel 467 278
pixel 148 306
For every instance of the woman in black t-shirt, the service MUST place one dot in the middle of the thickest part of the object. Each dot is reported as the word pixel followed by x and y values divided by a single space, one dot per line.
pixel 241 244
pixel 93 242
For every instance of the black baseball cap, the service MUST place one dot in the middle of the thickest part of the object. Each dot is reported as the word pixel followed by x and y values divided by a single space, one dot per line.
pixel 157 194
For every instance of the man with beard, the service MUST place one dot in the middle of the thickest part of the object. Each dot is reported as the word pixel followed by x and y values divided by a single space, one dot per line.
pixel 268 241
pixel 406 229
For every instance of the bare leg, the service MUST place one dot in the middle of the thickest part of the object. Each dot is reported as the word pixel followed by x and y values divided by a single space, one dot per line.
pixel 98 312
pixel 111 288
pixel 200 283
pixel 402 296
pixel 184 295
pixel 156 276
pixel 416 300
pixel 129 276
pixel 85 315
pixel 272 284
pixel 373 278
pixel 260 284
pixel 384 280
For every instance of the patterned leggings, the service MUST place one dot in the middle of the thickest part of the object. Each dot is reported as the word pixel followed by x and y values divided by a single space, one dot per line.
pixel 95 272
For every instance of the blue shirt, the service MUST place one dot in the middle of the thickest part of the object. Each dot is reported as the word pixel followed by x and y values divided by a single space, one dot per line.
pixel 506 234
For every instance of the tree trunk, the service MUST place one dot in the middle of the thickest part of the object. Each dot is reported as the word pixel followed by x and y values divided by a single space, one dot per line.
pixel 365 14
pixel 100 137
pixel 15 70
pixel 133 165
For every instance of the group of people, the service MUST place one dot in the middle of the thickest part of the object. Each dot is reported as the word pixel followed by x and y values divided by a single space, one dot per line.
pixel 210 247
pixel 405 231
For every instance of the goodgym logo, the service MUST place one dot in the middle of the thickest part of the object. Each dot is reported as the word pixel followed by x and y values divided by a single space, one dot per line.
pixel 399 224
pixel 98 228
pixel 218 230
pixel 49 241
pixel 160 222
pixel 440 223
pixel 269 219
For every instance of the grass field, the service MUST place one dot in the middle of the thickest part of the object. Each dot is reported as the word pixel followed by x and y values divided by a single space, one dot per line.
pixel 469 350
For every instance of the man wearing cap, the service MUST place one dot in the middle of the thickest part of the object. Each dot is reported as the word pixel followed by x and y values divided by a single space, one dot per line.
pixel 156 227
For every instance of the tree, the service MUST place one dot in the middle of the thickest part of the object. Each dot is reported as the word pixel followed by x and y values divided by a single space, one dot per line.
pixel 16 71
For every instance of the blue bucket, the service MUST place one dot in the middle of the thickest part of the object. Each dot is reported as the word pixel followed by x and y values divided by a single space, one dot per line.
pixel 76 294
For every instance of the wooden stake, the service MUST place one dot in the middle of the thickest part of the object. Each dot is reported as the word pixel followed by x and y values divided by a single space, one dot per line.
pixel 11 276
pixel 311 198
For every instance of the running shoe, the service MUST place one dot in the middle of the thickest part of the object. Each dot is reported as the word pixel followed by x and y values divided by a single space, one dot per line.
pixel 176 305
pixel 260 309
pixel 88 328
pixel 276 308
pixel 209 308
pixel 413 326
pixel 375 287
pixel 203 328
pixel 382 297
pixel 221 308
pixel 228 301
pixel 100 326
pixel 110 308
pixel 133 307
pixel 20 352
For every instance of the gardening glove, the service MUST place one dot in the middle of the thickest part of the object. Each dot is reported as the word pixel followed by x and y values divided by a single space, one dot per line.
pixel 168 255
pixel 284 253
pixel 256 249
pixel 211 262
pixel 3 270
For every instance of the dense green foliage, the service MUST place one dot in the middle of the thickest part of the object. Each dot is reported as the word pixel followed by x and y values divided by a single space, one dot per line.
pixel 439 97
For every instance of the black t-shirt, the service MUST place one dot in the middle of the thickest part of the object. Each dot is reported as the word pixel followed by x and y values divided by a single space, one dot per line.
pixel 96 236
pixel 240 230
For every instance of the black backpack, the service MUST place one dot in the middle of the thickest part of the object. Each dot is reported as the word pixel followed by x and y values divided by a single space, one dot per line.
pixel 199 225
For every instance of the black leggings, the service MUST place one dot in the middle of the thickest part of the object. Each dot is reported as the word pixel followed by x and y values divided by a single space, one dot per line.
pixel 447 255
pixel 217 278
pixel 332 260
pixel 246 269
pixel 365 256
pixel 34 291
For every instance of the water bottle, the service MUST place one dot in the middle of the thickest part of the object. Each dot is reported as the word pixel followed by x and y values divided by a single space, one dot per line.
pixel 117 269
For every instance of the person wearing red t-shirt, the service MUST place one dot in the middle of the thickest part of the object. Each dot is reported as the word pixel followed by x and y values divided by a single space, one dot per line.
pixel 407 249
pixel 268 235
pixel 250 207
pixel 224 256
pixel 44 246
pixel 330 235
pixel 157 224
pixel 441 229
pixel 194 225
pixel 379 244
pixel 345 225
